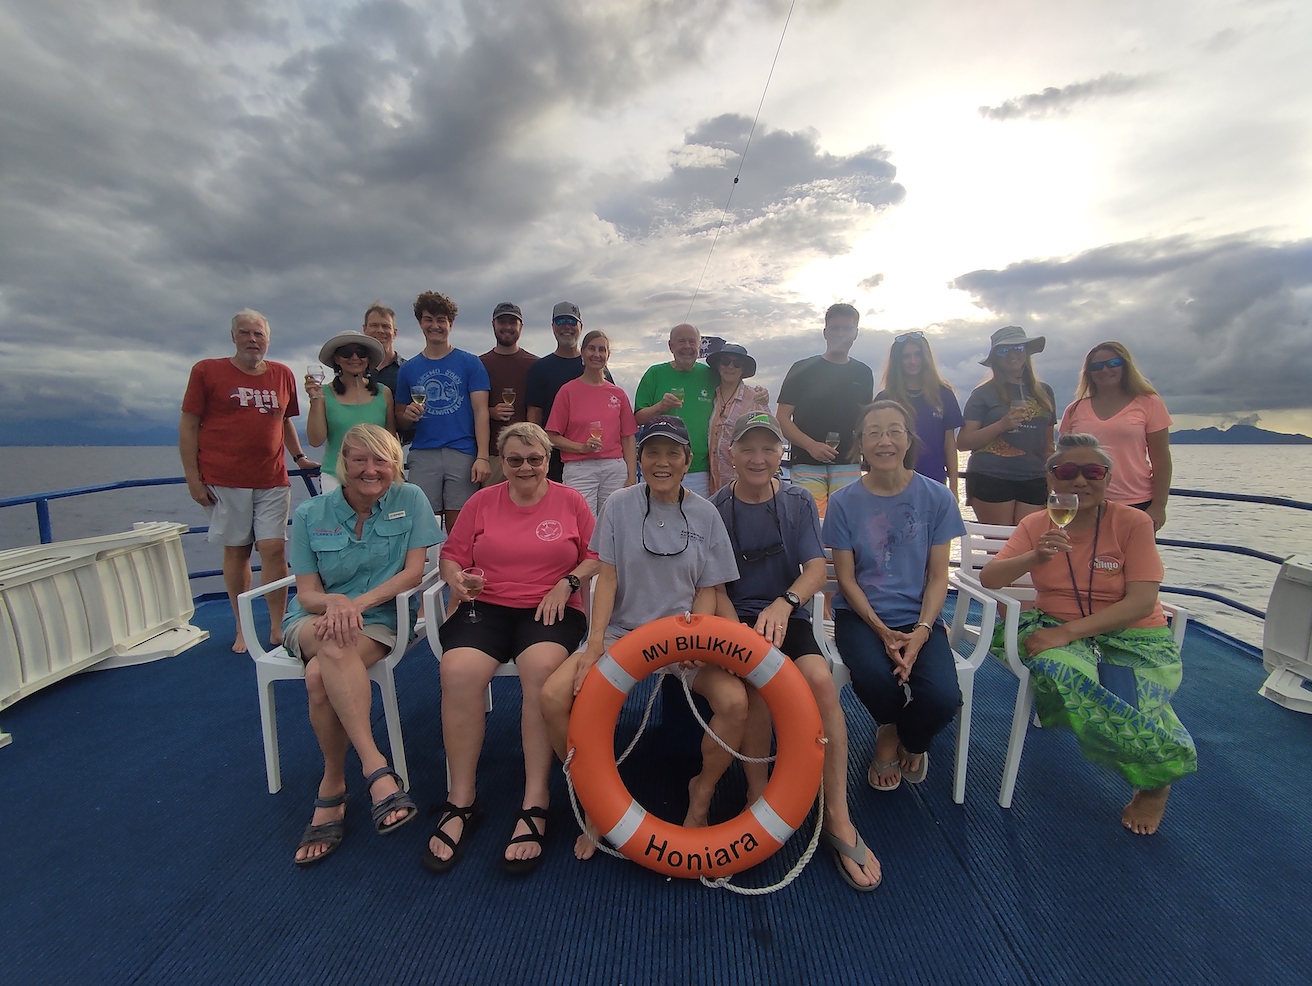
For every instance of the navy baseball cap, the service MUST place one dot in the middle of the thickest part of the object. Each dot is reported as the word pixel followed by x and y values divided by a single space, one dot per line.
pixel 665 426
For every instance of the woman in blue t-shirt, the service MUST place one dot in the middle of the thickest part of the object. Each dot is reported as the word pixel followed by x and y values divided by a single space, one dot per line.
pixel 891 534
pixel 911 378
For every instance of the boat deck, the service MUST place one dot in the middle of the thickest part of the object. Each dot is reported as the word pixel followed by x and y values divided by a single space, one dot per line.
pixel 141 846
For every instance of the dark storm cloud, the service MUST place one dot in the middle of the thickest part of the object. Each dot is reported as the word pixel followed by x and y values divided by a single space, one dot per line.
pixel 1220 325
pixel 781 167
pixel 1058 102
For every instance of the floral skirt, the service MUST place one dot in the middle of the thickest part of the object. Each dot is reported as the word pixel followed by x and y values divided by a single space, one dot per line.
pixel 1149 746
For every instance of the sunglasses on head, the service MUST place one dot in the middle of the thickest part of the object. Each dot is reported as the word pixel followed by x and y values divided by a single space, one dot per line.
pixel 346 352
pixel 1110 364
pixel 1066 471
pixel 565 320
pixel 515 461
pixel 918 336
pixel 1019 347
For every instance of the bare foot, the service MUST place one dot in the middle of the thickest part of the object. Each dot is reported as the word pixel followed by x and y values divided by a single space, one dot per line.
pixel 239 645
pixel 454 827
pixel 322 816
pixel 699 805
pixel 1143 815
pixel 529 848
pixel 275 639
pixel 585 846
pixel 867 875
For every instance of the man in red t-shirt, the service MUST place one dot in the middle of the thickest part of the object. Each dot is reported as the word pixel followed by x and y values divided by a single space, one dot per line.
pixel 507 370
pixel 236 425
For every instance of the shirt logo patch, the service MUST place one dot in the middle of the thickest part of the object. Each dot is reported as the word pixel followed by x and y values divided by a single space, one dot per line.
pixel 444 390
pixel 263 401
pixel 1106 565
pixel 396 515
pixel 550 530
pixel 614 401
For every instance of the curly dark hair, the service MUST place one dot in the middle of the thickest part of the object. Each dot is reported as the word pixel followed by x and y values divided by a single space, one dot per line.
pixel 435 303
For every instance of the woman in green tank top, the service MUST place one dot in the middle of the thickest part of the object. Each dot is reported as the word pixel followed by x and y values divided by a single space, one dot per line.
pixel 352 399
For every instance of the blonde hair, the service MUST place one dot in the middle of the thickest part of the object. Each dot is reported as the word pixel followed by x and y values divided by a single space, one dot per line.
pixel 377 441
pixel 1133 382
pixel 528 433
pixel 895 380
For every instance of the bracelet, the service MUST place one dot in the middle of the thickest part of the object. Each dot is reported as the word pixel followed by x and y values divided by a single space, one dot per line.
pixel 929 628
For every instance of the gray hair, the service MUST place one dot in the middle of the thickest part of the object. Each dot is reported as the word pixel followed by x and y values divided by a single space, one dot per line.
pixel 1067 442
pixel 251 315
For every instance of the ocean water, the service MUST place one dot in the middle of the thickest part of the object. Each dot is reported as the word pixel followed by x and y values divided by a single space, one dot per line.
pixel 1264 470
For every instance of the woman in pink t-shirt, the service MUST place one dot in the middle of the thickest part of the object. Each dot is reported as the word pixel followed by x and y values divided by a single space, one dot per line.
pixel 593 426
pixel 1117 405
pixel 1103 662
pixel 529 536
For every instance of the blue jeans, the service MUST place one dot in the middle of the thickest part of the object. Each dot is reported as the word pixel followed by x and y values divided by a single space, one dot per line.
pixel 935 694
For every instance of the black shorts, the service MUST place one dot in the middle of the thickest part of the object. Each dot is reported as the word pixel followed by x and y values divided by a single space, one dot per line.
pixel 990 489
pixel 504 632
pixel 799 638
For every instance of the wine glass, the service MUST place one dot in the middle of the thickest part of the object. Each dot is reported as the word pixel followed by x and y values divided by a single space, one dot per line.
pixel 1062 508
pixel 594 431
pixel 473 580
pixel 507 395
pixel 832 439
pixel 419 395
pixel 316 372
pixel 678 393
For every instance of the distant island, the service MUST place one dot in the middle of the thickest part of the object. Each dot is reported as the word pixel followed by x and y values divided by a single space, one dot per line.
pixel 1236 435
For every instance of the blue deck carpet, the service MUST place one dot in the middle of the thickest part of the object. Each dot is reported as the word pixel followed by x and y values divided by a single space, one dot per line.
pixel 139 845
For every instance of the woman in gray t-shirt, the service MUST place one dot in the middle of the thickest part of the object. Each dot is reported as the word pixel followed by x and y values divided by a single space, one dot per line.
pixel 1008 431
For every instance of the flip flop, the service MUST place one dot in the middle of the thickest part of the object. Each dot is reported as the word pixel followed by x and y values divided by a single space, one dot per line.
pixel 396 801
pixel 914 776
pixel 878 768
pixel 856 854
pixel 470 816
pixel 523 867
pixel 329 832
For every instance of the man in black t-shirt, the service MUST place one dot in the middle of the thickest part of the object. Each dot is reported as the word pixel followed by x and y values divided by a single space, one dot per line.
pixel 553 371
pixel 818 407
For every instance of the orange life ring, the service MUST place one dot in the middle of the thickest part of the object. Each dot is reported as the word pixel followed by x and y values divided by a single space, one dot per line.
pixel 764 826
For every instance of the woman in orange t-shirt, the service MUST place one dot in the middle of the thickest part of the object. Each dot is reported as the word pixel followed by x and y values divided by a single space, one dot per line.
pixel 1104 663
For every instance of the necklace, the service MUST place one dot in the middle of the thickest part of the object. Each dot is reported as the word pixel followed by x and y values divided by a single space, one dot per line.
pixel 1097 526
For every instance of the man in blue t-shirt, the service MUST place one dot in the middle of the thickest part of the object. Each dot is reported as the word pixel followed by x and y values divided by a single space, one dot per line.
pixel 443 392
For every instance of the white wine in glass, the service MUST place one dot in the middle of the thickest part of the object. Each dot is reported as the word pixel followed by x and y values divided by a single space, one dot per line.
pixel 1062 508
pixel 419 396
pixel 507 395
pixel 832 440
pixel 594 431
pixel 473 580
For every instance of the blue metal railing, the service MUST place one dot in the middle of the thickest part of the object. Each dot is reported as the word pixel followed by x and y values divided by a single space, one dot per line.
pixel 42 503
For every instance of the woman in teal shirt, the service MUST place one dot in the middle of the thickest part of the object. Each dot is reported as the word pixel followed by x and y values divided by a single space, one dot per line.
pixel 352 551
pixel 353 399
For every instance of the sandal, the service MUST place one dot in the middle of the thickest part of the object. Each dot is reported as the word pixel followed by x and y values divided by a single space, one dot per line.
pixel 878 768
pixel 913 776
pixel 856 854
pixel 471 817
pixel 329 832
pixel 396 801
pixel 523 867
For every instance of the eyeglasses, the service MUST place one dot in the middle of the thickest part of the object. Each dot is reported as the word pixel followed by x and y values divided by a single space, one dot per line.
pixel 1008 350
pixel 893 434
pixel 1066 471
pixel 687 532
pixel 515 461
pixel 1111 364
pixel 756 554
pixel 732 361
pixel 347 352
pixel 919 336
pixel 569 320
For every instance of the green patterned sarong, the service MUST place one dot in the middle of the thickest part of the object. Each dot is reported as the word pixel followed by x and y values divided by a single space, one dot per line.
pixel 1148 745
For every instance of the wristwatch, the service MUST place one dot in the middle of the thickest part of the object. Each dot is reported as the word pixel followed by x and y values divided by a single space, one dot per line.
pixel 794 600
pixel 574 582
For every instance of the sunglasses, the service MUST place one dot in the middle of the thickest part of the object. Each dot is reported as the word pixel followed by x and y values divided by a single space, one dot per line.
pixel 347 352
pixel 1008 350
pixel 1110 364
pixel 919 336
pixel 732 361
pixel 1066 471
pixel 515 461
pixel 565 320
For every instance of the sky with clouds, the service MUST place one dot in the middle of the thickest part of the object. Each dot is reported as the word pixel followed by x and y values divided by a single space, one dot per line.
pixel 1087 170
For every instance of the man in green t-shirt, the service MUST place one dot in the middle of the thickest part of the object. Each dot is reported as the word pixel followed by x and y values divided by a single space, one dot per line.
pixel 686 389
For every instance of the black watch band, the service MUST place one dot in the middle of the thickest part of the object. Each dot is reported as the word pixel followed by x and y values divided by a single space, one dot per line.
pixel 794 600
pixel 574 582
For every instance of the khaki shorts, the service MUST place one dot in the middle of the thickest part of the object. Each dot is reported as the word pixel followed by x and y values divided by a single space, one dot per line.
pixel 443 475
pixel 291 641
pixel 240 516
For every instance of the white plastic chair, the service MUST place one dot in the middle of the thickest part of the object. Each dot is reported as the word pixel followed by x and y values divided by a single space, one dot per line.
pixel 970 648
pixel 277 665
pixel 982 542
